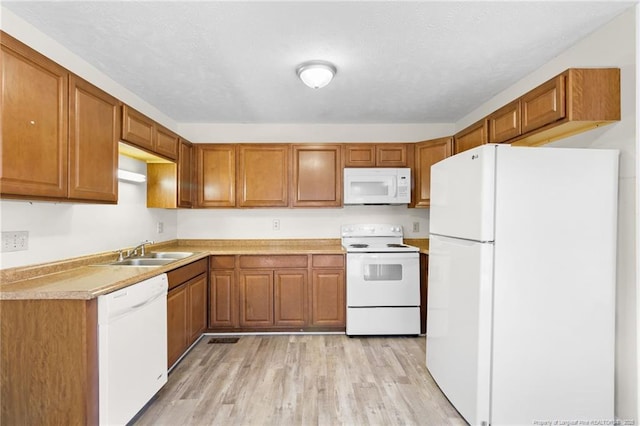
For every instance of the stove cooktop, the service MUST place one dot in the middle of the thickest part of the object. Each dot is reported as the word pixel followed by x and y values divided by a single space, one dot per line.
pixel 374 238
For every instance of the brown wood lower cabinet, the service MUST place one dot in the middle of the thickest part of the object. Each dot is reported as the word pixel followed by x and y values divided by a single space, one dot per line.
pixel 274 292
pixel 49 362
pixel 186 308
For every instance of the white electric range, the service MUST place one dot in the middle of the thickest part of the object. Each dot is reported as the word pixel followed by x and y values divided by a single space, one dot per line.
pixel 383 281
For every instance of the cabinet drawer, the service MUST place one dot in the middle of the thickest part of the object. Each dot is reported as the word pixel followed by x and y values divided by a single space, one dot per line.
pixel 328 261
pixel 185 273
pixel 272 262
pixel 222 262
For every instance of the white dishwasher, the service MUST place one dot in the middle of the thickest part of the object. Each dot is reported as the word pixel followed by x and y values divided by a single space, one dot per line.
pixel 132 348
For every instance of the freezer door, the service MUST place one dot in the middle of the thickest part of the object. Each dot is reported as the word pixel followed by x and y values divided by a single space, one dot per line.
pixel 459 323
pixel 462 195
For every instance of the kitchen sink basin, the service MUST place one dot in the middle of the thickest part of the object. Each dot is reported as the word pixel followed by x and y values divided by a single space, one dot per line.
pixel 157 258
pixel 166 255
pixel 143 261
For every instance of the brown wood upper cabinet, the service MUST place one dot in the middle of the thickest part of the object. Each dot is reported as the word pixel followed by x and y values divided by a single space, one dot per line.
pixel 186 175
pixel 471 137
pixel 143 132
pixel 58 139
pixel 263 175
pixel 215 175
pixel 376 155
pixel 579 99
pixel 428 153
pixel 317 176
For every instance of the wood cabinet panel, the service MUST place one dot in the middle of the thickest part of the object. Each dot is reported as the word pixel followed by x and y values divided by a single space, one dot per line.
pixel 223 300
pixel 376 155
pixel 428 153
pixel 263 175
pixel 328 298
pixel 137 128
pixel 94 131
pixel 184 273
pixel 543 105
pixel 197 289
pixel 34 122
pixel 317 176
pixel 290 301
pixel 49 359
pixel 471 137
pixel 177 323
pixel 327 261
pixel 359 155
pixel 391 155
pixel 256 298
pixel 185 186
pixel 273 261
pixel 504 124
pixel 166 142
pixel 215 175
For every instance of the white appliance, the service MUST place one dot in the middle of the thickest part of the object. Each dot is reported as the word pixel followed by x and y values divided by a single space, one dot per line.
pixel 132 348
pixel 522 256
pixel 383 281
pixel 377 185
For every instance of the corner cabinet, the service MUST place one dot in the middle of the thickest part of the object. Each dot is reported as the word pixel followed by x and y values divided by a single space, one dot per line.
pixel 317 176
pixel 59 133
pixel 142 132
pixel 185 184
pixel 428 153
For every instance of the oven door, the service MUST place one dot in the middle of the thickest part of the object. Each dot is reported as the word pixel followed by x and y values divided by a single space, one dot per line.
pixel 383 279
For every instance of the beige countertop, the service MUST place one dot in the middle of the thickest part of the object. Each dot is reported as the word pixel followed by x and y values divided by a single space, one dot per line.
pixel 87 277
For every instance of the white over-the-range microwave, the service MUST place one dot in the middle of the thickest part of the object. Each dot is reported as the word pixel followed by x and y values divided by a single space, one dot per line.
pixel 377 185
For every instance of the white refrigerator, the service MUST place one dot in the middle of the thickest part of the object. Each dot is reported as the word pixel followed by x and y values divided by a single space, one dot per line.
pixel 521 296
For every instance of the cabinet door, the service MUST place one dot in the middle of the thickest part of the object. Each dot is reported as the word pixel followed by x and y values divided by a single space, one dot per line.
pixel 391 155
pixel 34 122
pixel 504 124
pixel 290 298
pixel 215 175
pixel 317 176
pixel 197 289
pixel 471 137
pixel 359 155
pixel 137 128
pixel 544 104
pixel 166 142
pixel 263 175
pixel 94 131
pixel 223 300
pixel 177 323
pixel 328 298
pixel 256 298
pixel 185 174
pixel 426 154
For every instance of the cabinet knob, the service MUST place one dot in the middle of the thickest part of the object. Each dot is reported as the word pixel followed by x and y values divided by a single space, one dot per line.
pixel 32 122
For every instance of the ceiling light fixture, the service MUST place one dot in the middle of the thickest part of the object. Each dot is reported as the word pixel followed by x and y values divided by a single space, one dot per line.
pixel 316 74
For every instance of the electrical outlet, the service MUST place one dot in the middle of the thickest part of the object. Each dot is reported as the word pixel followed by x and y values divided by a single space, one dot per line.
pixel 276 224
pixel 416 226
pixel 15 240
pixel 160 227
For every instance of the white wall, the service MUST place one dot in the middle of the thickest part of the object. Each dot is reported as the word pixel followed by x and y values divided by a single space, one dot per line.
pixel 614 45
pixel 64 230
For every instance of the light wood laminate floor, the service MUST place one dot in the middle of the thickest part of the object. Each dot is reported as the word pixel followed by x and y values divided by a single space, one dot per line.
pixel 302 380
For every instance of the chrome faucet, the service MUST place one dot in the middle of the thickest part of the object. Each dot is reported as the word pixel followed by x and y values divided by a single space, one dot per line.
pixel 141 246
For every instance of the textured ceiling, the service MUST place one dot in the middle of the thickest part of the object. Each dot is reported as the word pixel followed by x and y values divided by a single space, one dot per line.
pixel 397 61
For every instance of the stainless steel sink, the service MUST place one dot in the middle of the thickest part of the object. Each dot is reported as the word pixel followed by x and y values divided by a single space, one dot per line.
pixel 142 261
pixel 167 255
pixel 157 258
